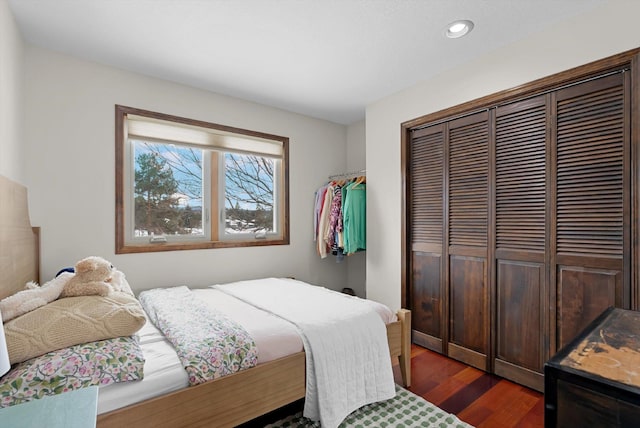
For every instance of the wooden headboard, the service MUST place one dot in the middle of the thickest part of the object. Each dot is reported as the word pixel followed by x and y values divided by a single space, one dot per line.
pixel 19 242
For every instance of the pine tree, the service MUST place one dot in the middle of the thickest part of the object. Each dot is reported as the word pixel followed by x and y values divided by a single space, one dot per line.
pixel 156 210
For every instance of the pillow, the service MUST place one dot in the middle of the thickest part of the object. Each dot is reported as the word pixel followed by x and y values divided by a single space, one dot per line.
pixel 97 363
pixel 71 321
pixel 32 297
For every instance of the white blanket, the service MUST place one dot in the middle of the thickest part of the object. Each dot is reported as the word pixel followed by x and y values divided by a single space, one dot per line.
pixel 348 362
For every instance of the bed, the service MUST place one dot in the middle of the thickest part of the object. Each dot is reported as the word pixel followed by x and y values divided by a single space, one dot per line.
pixel 227 401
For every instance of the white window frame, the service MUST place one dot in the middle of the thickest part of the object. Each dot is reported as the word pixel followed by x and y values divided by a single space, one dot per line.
pixel 247 236
pixel 129 193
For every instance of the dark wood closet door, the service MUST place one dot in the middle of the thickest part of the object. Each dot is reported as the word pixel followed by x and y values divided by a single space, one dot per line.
pixel 591 266
pixel 426 186
pixel 468 169
pixel 521 251
pixel 532 235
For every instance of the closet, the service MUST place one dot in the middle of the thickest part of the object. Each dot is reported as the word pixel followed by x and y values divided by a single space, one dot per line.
pixel 518 214
pixel 340 218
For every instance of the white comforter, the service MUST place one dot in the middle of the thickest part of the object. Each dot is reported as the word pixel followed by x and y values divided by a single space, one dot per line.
pixel 348 363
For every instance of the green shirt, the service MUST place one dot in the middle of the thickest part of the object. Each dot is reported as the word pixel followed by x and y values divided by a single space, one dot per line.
pixel 355 218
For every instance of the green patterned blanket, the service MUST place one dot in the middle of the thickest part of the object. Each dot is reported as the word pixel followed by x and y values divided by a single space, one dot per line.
pixel 405 410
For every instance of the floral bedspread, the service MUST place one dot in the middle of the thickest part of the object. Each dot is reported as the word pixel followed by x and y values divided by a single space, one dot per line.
pixel 96 363
pixel 209 344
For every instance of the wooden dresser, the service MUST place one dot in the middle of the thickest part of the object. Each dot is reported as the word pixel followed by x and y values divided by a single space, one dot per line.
pixel 594 381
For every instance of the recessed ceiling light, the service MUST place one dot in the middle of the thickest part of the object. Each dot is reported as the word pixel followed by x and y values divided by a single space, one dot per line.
pixel 458 28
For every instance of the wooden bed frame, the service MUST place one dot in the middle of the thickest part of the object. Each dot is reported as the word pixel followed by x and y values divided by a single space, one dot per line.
pixel 224 402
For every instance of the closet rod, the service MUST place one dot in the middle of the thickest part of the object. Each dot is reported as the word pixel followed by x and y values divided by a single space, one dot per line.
pixel 348 174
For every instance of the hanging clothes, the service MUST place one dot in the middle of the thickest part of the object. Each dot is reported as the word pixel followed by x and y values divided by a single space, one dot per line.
pixel 340 218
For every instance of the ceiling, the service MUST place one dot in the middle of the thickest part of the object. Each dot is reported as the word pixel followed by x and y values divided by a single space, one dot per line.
pixel 327 59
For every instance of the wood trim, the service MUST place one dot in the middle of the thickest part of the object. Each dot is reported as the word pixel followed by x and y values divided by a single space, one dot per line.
pixel 444 268
pixel 522 255
pixel 627 196
pixel 426 341
pixel 119 178
pixel 285 215
pixel 528 89
pixel 467 356
pixel 521 375
pixel 121 247
pixel 405 251
pixel 460 250
pixel 599 262
pixel 552 229
pixel 549 309
pixel 491 269
pixel 163 246
pixel 427 248
pixel 635 176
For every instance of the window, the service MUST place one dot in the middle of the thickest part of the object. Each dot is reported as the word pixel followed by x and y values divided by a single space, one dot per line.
pixel 187 184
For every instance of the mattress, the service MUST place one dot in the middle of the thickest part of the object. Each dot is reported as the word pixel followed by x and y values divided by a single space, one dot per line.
pixel 163 372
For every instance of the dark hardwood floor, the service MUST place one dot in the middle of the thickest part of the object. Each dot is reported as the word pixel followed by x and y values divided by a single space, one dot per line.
pixel 478 398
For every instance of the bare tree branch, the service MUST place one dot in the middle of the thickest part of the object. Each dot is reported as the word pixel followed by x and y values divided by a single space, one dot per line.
pixel 249 180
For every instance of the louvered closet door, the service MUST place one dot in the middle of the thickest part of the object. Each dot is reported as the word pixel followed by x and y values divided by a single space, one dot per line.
pixel 521 253
pixel 591 268
pixel 425 187
pixel 467 239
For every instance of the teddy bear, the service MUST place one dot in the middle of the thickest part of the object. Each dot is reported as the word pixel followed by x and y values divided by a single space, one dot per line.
pixel 94 276
pixel 32 297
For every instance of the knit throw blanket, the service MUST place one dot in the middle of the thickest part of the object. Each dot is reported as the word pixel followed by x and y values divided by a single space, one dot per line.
pixel 209 344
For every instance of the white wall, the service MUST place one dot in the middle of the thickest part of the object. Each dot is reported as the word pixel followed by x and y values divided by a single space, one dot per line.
pixel 356 161
pixel 69 133
pixel 11 59
pixel 605 31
